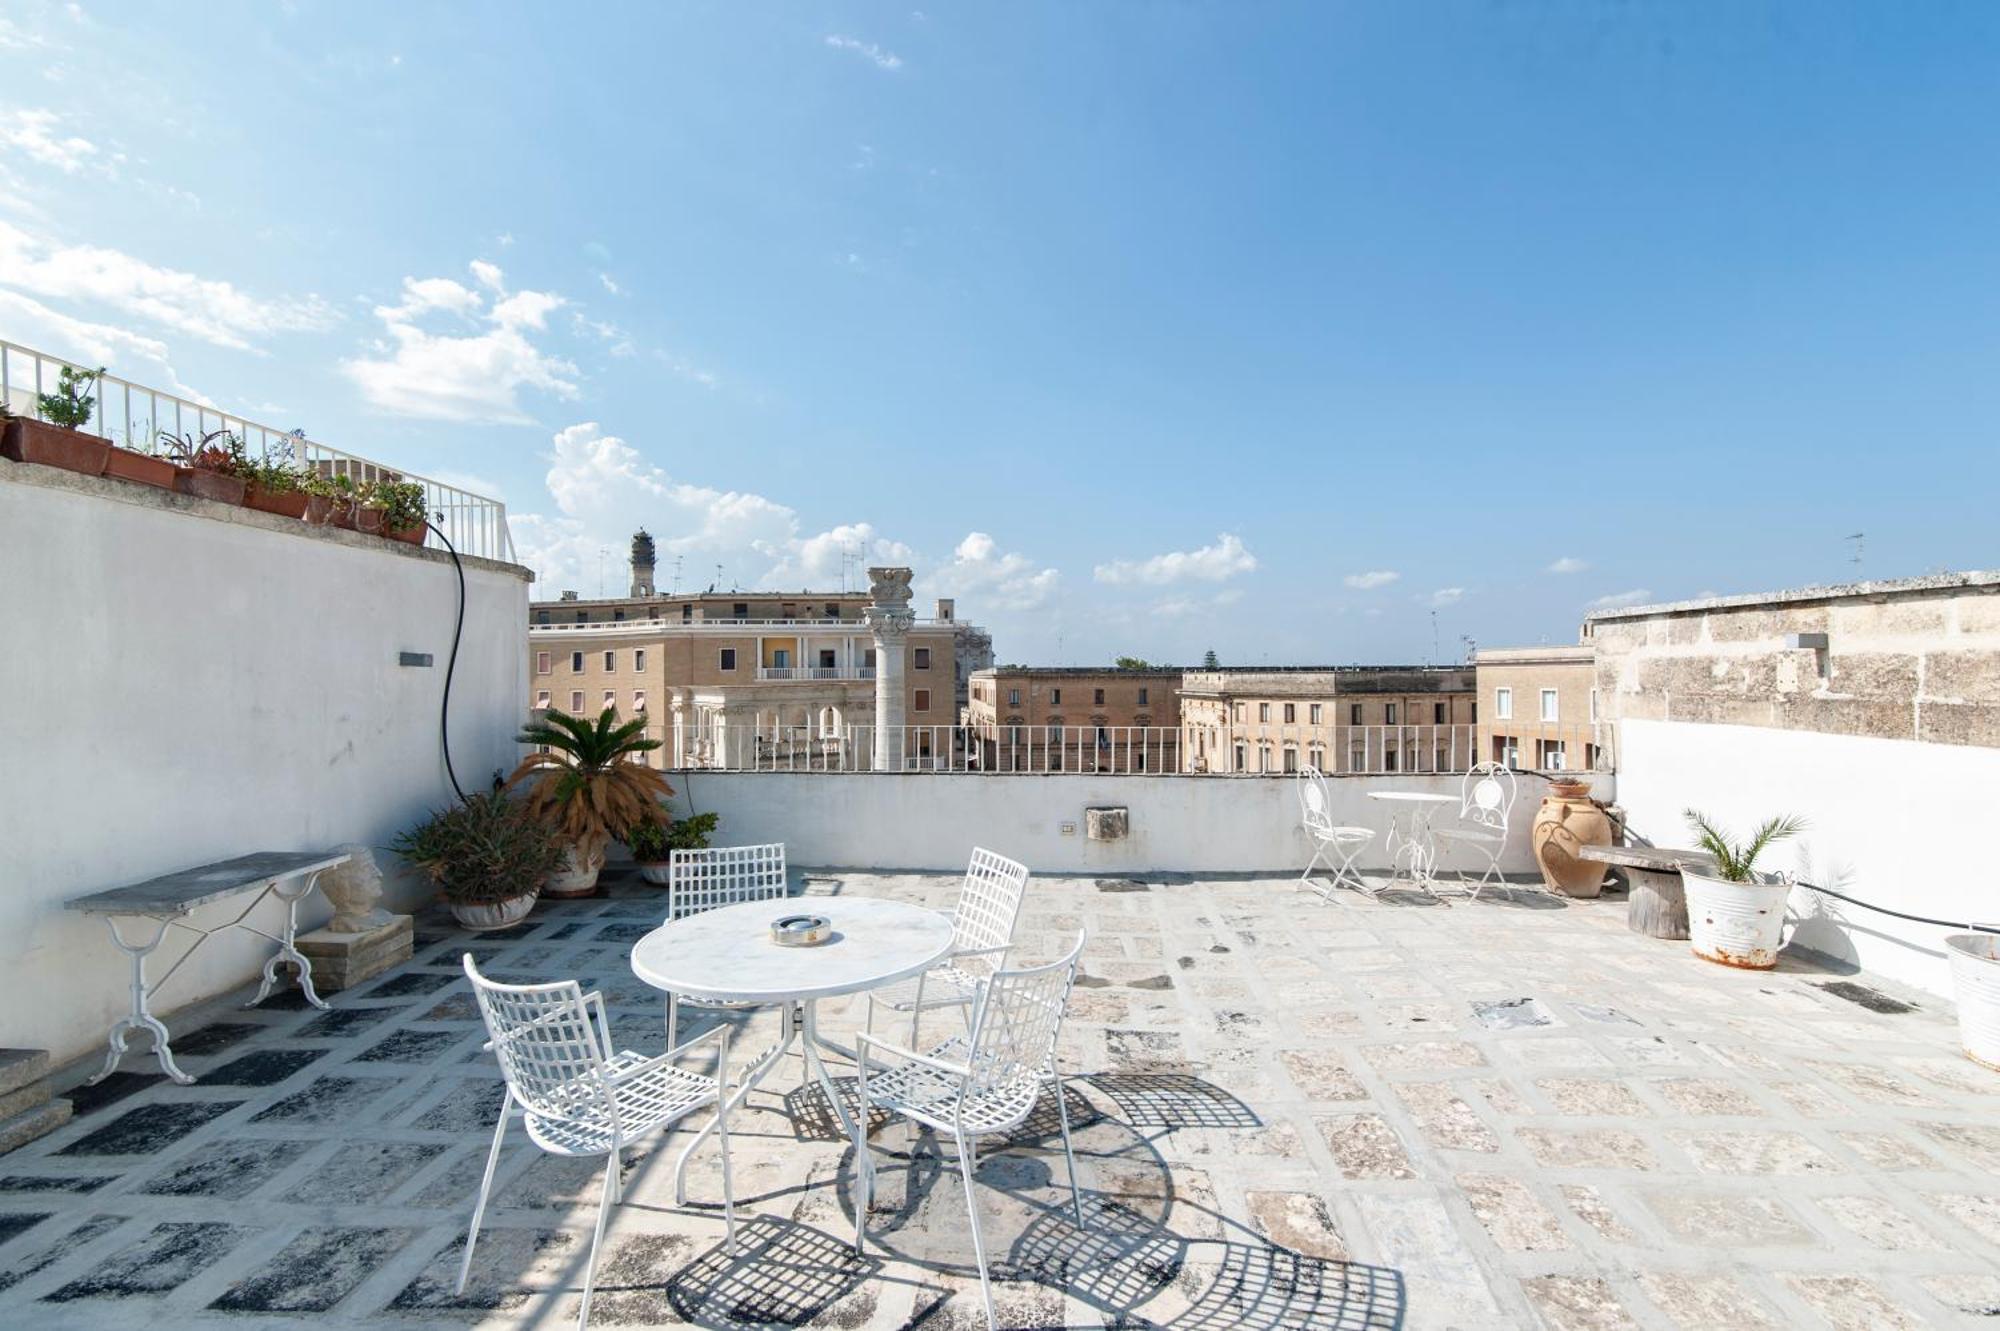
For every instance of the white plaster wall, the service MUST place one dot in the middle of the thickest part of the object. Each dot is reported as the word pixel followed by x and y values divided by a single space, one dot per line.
pixel 1188 824
pixel 1890 822
pixel 188 683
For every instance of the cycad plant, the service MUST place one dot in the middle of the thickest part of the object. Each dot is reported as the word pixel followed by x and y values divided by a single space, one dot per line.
pixel 585 782
pixel 1735 862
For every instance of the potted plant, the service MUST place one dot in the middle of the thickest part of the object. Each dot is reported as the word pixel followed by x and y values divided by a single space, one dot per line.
pixel 330 498
pixel 487 856
pixel 272 484
pixel 1736 914
pixel 403 513
pixel 586 784
pixel 57 439
pixel 653 840
pixel 142 465
pixel 211 466
pixel 371 509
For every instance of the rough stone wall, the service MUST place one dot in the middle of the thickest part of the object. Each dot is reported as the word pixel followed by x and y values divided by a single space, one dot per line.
pixel 1916 660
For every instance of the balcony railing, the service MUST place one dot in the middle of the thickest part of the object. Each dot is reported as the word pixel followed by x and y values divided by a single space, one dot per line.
pixel 829 628
pixel 780 673
pixel 991 749
pixel 135 416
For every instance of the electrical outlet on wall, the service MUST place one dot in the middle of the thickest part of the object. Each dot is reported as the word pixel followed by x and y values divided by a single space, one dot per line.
pixel 1067 829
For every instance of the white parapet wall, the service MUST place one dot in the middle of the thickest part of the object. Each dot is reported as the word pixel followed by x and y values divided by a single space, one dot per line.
pixel 189 682
pixel 1888 824
pixel 1183 824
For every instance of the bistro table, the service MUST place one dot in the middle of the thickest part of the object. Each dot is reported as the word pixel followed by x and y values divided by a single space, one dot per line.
pixel 1411 839
pixel 727 955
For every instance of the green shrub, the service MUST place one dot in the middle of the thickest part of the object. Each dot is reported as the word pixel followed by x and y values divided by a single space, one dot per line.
pixel 483 851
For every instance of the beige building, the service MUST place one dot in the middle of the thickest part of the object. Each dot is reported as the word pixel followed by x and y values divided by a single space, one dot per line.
pixel 743 679
pixel 1336 718
pixel 1538 708
pixel 1059 718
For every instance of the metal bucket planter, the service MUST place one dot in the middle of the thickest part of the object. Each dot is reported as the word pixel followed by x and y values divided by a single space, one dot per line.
pixel 1737 924
pixel 1975 975
pixel 483 915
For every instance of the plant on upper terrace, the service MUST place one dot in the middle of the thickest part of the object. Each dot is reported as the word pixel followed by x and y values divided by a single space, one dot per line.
pixel 217 451
pixel 72 402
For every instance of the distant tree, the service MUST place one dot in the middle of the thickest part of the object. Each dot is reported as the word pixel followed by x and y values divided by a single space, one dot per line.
pixel 1208 661
pixel 1132 663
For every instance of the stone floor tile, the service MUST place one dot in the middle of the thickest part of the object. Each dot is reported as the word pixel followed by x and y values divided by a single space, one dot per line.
pixel 227 1168
pixel 1587 1148
pixel 1706 1095
pixel 1365 1146
pixel 1321 1075
pixel 1976 1294
pixel 1879 1222
pixel 1706 1302
pixel 1723 1220
pixel 1981 1214
pixel 315 1271
pixel 1591 1096
pixel 1445 1119
pixel 1423 1056
pixel 1850 1303
pixel 327 1100
pixel 1974 1142
pixel 148 1129
pixel 1576 1303
pixel 161 1261
pixel 1508 1209
pixel 30 1260
pixel 365 1172
pixel 1590 1206
pixel 86 1099
pixel 1298 1222
pixel 263 1067
pixel 1737 1153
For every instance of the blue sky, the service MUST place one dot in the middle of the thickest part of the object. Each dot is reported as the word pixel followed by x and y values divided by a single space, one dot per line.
pixel 1314 333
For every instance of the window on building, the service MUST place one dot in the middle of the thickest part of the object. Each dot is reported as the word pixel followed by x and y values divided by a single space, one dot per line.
pixel 576 663
pixel 790 611
pixel 1142 697
pixel 618 614
pixel 541 616
pixel 611 660
pixel 1240 758
pixel 727 660
pixel 741 610
pixel 1548 704
pixel 1291 759
pixel 1313 714
pixel 583 616
pixel 1437 713
pixel 827 658
pixel 1055 696
pixel 1097 697
pixel 610 700
pixel 638 700
pixel 1506 751
pixel 1389 760
pixel 1389 714
pixel 1013 697
pixel 542 699
pixel 922 657
pixel 1354 714
pixel 1239 714
pixel 639 659
pixel 576 702
pixel 687 613
pixel 1291 712
pixel 1263 711
pixel 1503 704
pixel 832 610
pixel 1549 755
pixel 541 663
pixel 923 702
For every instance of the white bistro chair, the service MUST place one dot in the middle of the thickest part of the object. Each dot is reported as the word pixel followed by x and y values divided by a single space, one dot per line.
pixel 580 1099
pixel 1486 797
pixel 1339 845
pixel 982 931
pixel 973 1085
pixel 699 880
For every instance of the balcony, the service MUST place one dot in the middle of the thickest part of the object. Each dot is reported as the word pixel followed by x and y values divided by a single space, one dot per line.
pixel 782 674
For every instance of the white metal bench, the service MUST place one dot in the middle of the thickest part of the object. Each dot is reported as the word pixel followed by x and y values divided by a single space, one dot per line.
pixel 167 902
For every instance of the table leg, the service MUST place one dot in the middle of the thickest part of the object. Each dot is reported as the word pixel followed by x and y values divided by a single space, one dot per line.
pixel 288 949
pixel 811 1046
pixel 141 1017
pixel 788 1032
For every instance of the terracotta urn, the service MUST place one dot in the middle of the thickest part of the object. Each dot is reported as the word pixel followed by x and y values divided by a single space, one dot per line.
pixel 1569 820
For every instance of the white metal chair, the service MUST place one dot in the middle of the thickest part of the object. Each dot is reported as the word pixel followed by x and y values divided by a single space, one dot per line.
pixel 1486 797
pixel 1340 845
pixel 982 930
pixel 699 880
pixel 580 1099
pixel 974 1085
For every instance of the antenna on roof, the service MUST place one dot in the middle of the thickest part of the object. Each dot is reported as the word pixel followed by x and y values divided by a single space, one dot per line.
pixel 1858 538
pixel 677 575
pixel 601 553
pixel 1434 638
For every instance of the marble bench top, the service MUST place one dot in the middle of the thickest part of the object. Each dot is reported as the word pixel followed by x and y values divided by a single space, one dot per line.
pixel 1660 859
pixel 178 893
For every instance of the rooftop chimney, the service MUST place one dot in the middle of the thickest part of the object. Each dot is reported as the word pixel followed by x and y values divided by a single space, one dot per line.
pixel 944 608
pixel 569 596
pixel 642 563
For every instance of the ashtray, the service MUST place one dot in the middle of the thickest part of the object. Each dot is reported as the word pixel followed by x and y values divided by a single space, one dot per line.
pixel 801 930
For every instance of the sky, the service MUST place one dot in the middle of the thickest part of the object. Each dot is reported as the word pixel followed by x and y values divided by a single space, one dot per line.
pixel 1336 332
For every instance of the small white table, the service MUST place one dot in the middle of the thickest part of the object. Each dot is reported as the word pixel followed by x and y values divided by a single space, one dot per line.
pixel 726 955
pixel 1411 839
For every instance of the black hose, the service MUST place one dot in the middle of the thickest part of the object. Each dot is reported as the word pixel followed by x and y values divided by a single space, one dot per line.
pixel 1884 910
pixel 451 663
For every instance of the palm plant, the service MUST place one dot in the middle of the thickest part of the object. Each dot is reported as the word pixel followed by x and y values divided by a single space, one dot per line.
pixel 1735 862
pixel 584 781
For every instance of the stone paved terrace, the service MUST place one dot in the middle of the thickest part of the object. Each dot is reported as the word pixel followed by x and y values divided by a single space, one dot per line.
pixel 1293 1114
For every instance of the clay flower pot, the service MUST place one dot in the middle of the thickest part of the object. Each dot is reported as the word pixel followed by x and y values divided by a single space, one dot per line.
pixel 209 485
pixel 28 440
pixel 410 535
pixel 371 521
pixel 1568 821
pixel 130 465
pixel 286 503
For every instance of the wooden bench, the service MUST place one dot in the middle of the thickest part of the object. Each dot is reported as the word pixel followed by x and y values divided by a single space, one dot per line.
pixel 1657 905
pixel 166 902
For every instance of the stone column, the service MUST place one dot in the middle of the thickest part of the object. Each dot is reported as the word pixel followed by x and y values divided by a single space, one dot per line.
pixel 889 619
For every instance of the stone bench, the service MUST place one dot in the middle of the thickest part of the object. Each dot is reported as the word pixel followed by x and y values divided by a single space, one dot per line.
pixel 1657 904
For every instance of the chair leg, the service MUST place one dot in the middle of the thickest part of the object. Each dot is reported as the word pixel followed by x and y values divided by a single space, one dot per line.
pixel 965 1167
pixel 673 1019
pixel 1062 1116
pixel 728 1185
pixel 597 1241
pixel 485 1187
pixel 864 1179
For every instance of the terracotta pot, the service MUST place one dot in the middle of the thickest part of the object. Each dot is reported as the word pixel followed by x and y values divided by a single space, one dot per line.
pixel 1568 821
pixel 410 535
pixel 128 465
pixel 481 916
pixel 319 510
pixel 576 878
pixel 52 446
pixel 209 485
pixel 285 503
pixel 343 514
pixel 371 521
pixel 1737 924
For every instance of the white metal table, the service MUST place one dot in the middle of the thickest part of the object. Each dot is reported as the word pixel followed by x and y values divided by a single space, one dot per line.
pixel 1412 842
pixel 167 901
pixel 726 955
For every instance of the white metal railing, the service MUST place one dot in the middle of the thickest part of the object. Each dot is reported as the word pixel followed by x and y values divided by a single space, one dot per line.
pixel 767 673
pixel 135 416
pixel 1235 751
pixel 654 625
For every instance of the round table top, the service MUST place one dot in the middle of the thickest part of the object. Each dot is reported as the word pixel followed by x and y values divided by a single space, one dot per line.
pixel 1412 796
pixel 727 953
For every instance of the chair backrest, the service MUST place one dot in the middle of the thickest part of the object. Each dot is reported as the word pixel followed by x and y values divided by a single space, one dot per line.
pixel 1019 1015
pixel 549 1048
pixel 1315 806
pixel 989 902
pixel 1486 796
pixel 699 880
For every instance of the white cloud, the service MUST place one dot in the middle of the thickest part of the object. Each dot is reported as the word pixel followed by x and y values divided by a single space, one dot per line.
pixel 838 557
pixel 1443 597
pixel 125 353
pixel 1372 579
pixel 213 310
pixel 474 373
pixel 986 576
pixel 1569 564
pixel 869 51
pixel 605 280
pixel 1637 596
pixel 36 134
pixel 1186 607
pixel 1211 563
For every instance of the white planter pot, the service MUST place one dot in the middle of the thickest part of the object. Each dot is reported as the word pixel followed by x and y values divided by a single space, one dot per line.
pixel 482 916
pixel 1975 975
pixel 577 877
pixel 654 873
pixel 1737 924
